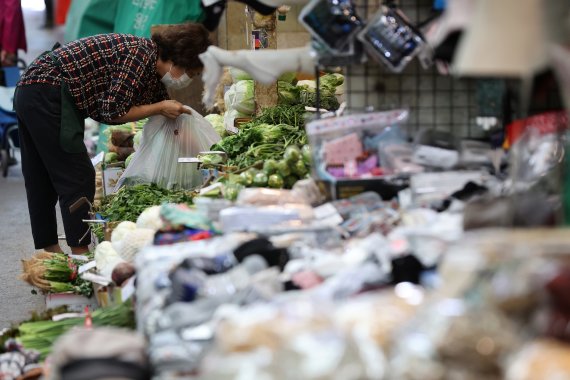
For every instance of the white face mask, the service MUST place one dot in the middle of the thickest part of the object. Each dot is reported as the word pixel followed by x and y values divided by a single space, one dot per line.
pixel 175 84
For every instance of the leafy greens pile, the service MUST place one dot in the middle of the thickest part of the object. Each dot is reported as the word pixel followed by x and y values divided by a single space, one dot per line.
pixel 130 201
pixel 266 136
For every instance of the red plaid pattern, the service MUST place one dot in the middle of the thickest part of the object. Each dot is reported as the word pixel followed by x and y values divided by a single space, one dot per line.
pixel 106 74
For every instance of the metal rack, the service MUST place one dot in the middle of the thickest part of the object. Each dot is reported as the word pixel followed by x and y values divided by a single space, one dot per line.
pixel 435 101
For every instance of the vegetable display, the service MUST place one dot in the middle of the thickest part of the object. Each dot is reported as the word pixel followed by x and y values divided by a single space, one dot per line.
pixel 130 201
pixel 304 92
pixel 217 122
pixel 41 335
pixel 265 137
pixel 55 273
pixel 276 174
pixel 240 97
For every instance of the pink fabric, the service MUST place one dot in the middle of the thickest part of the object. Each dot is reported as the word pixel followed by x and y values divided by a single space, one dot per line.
pixel 12 32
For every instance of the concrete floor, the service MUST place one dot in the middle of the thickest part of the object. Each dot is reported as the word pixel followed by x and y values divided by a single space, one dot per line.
pixel 16 299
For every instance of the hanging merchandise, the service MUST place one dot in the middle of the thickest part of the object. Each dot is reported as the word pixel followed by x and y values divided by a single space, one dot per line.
pixel 391 39
pixel 137 16
pixel 334 23
pixel 90 17
pixel 164 141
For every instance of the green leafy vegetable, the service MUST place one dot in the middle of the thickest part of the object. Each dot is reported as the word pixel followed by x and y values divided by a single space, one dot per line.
pixel 238 75
pixel 41 335
pixel 129 159
pixel 130 201
pixel 288 93
pixel 240 97
pixel 111 157
pixel 212 159
pixel 217 122
pixel 265 137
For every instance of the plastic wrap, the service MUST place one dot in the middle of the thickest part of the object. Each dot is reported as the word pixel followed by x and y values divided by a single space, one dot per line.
pixel 341 146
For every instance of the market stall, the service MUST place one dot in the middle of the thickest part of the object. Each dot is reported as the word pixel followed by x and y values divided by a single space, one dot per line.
pixel 324 236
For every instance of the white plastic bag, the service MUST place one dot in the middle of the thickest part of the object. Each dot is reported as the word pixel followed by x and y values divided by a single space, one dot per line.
pixel 164 141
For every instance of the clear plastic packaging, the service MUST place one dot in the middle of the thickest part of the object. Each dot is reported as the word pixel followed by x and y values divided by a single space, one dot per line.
pixel 435 149
pixel 347 147
pixel 390 39
pixel 270 197
pixel 332 22
pixel 164 141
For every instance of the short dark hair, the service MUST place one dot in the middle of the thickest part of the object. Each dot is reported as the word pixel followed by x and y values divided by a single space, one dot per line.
pixel 182 44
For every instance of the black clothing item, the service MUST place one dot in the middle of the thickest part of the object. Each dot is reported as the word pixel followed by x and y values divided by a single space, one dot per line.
pixel 446 50
pixel 213 14
pixel 50 172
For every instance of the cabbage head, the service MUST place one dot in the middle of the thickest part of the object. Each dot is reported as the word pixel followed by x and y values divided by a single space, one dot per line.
pixel 240 97
pixel 217 122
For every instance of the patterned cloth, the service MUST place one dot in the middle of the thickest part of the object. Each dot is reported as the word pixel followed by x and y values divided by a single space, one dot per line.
pixel 106 74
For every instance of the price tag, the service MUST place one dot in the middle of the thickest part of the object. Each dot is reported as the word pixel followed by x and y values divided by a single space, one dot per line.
pixel 128 289
pixel 98 159
pixel 85 267
pixel 61 317
pixel 188 160
pixel 95 278
pixel 110 178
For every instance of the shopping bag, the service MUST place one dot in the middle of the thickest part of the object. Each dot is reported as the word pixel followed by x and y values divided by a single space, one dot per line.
pixel 137 16
pixel 90 17
pixel 163 142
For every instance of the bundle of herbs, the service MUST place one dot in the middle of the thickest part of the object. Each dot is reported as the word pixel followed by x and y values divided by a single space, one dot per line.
pixel 41 335
pixel 55 273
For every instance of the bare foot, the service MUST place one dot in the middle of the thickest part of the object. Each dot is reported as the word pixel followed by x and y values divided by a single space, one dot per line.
pixel 79 250
pixel 53 248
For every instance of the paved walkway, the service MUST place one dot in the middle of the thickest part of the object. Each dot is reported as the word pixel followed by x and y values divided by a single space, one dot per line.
pixel 16 299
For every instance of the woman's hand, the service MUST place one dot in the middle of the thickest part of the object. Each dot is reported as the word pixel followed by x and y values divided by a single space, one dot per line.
pixel 169 108
pixel 172 109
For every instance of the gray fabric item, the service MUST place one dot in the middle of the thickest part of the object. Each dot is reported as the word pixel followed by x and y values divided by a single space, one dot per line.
pixel 99 342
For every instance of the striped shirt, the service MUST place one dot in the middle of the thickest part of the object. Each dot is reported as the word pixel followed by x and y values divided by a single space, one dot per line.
pixel 106 74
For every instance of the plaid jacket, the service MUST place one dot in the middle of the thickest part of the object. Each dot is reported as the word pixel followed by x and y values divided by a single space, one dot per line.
pixel 106 74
